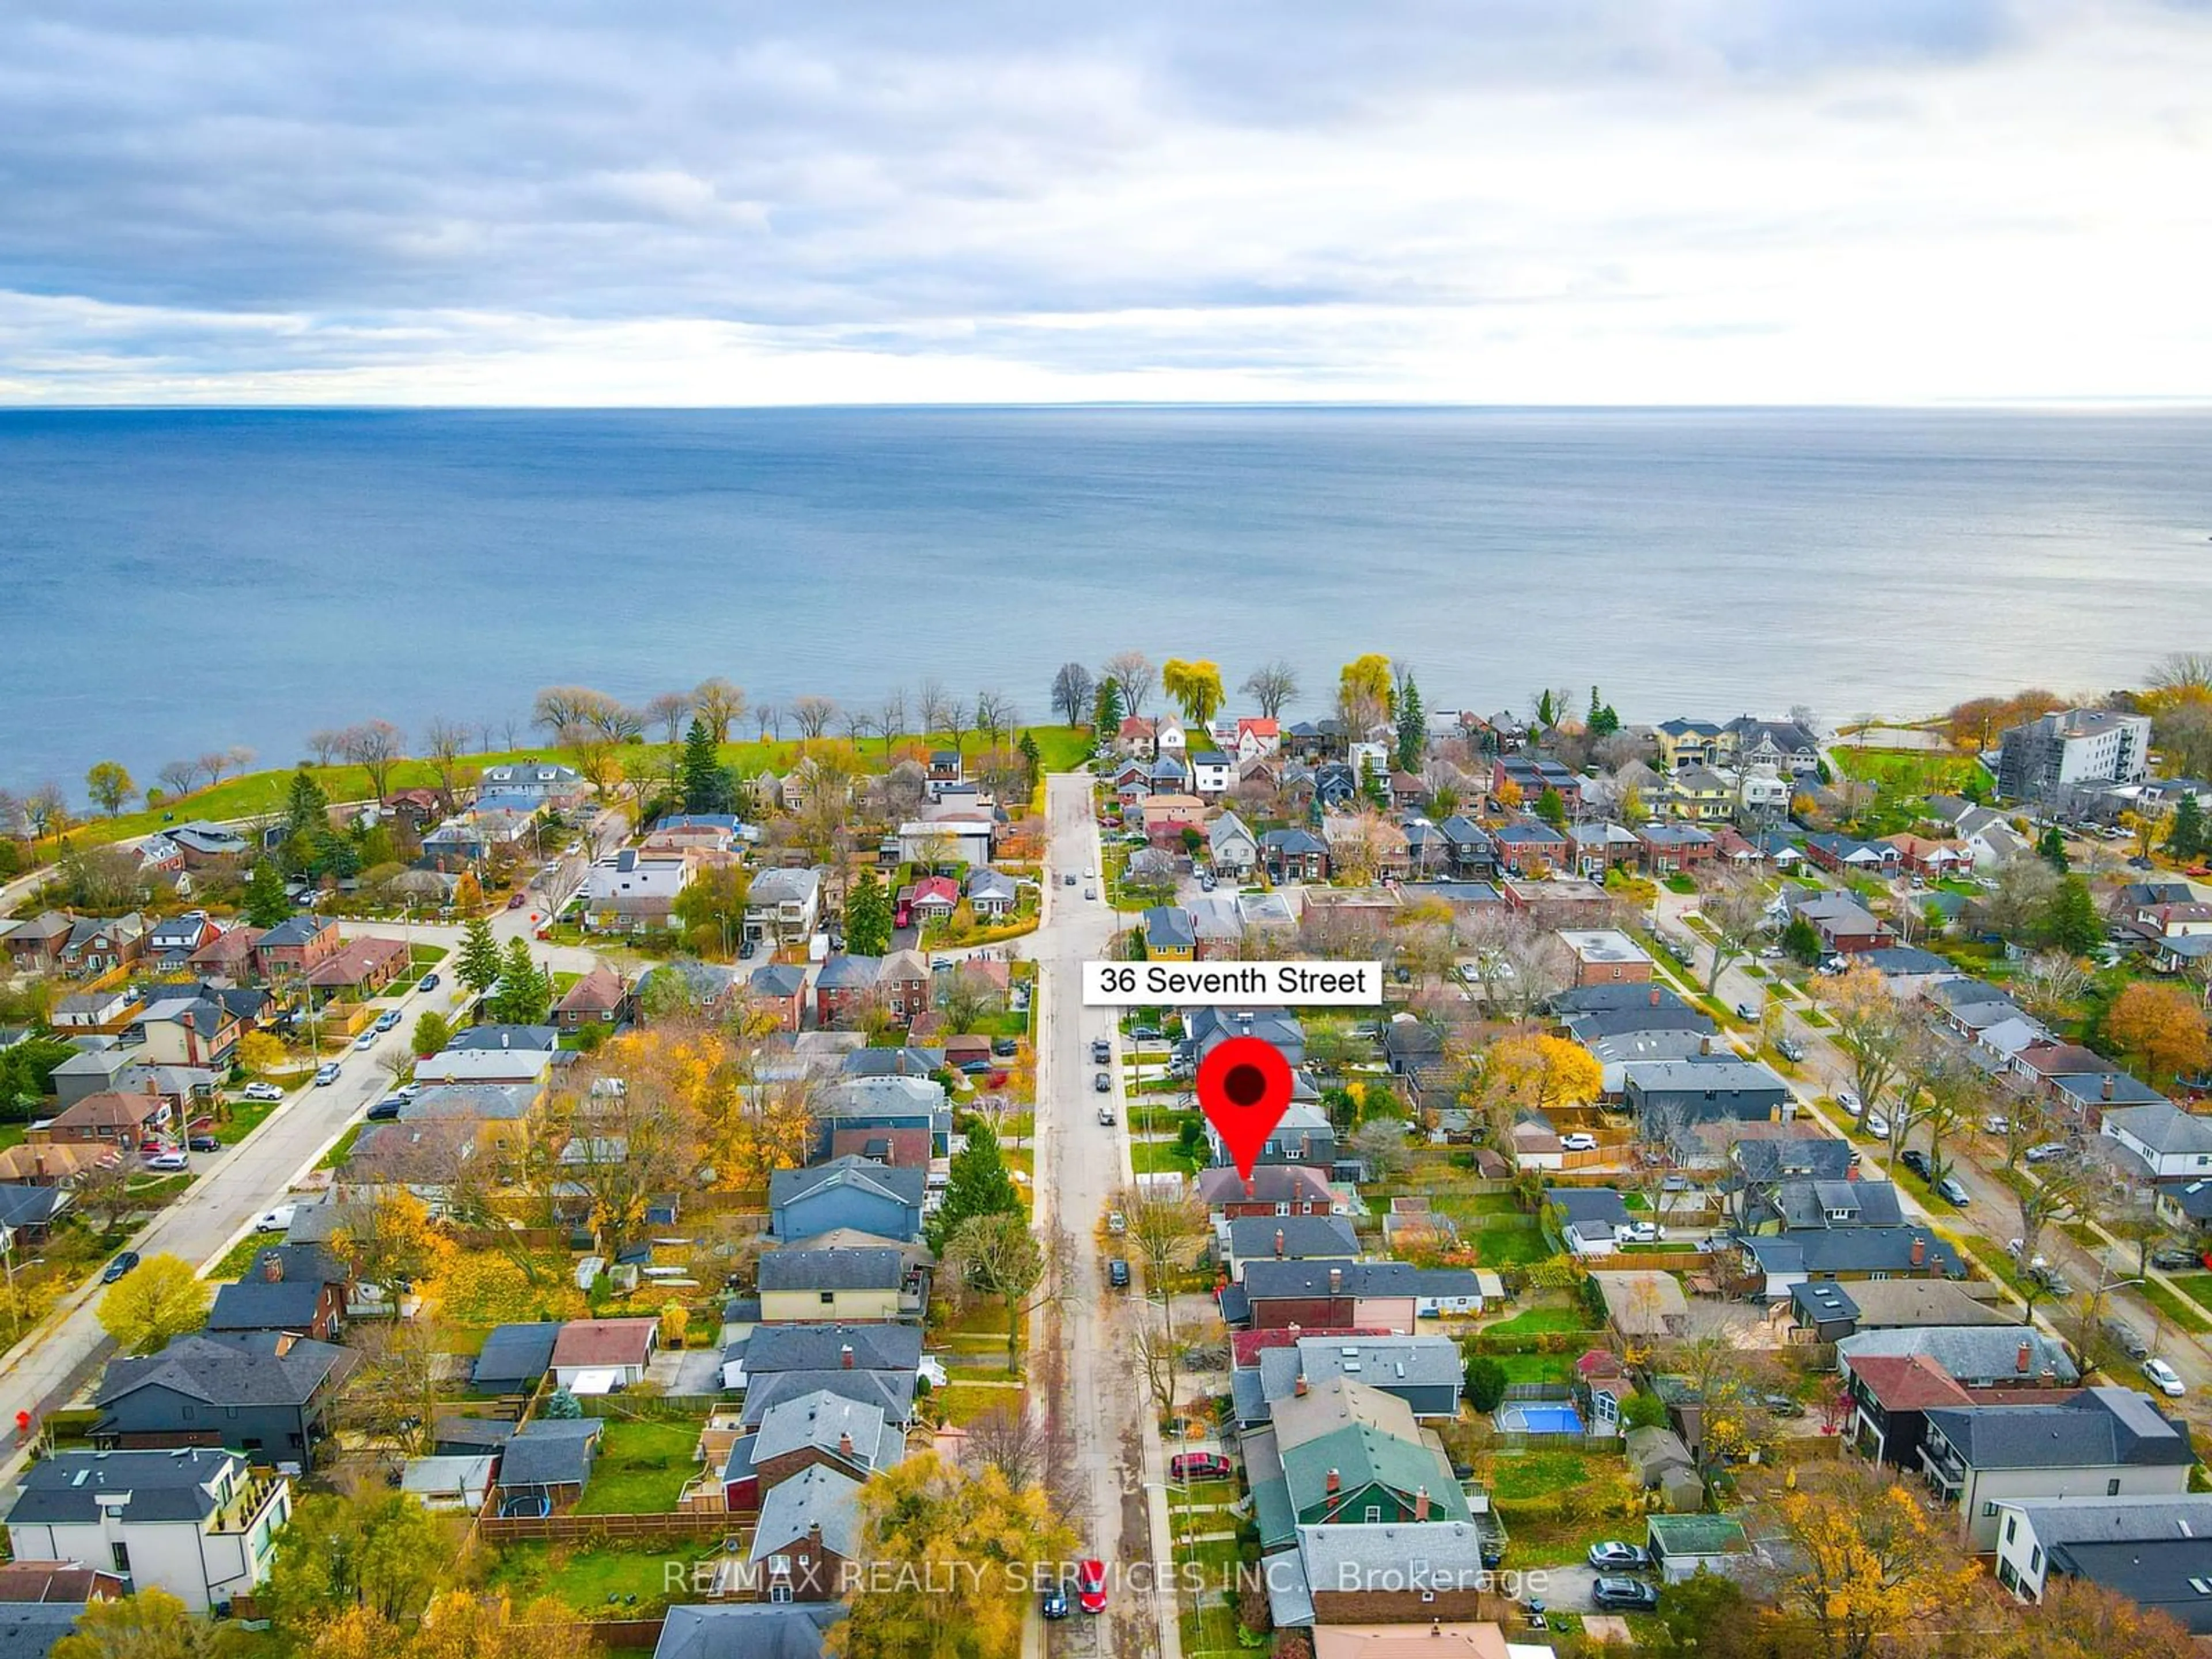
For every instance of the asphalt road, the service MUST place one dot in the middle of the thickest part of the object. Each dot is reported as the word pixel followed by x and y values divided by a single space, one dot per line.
pixel 1118 1466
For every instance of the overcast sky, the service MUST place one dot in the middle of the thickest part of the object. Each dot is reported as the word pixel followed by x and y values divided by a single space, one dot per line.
pixel 1487 200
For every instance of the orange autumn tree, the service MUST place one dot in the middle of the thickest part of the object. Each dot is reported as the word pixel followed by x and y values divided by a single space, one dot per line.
pixel 1531 1072
pixel 1871 1564
pixel 708 1075
pixel 2160 1027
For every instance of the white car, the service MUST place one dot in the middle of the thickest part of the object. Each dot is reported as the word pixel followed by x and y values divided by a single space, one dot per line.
pixel 2164 1377
pixel 327 1074
pixel 364 1042
pixel 169 1161
pixel 277 1220
pixel 1847 1101
pixel 1579 1142
pixel 1637 1232
pixel 262 1092
pixel 1877 1125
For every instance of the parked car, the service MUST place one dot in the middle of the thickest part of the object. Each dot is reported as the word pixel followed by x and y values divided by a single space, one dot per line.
pixel 1637 1232
pixel 204 1144
pixel 2165 1378
pixel 1624 1595
pixel 1790 1048
pixel 169 1163
pixel 1106 1116
pixel 427 983
pixel 1847 1101
pixel 364 1042
pixel 122 1265
pixel 1068 880
pixel 327 1074
pixel 2046 1150
pixel 1117 1274
pixel 1055 1604
pixel 1996 1123
pixel 2173 1259
pixel 1005 1046
pixel 277 1220
pixel 2127 1339
pixel 1916 1161
pixel 385 1110
pixel 1146 1033
pixel 1782 1405
pixel 1615 1556
pixel 1579 1142
pixel 516 901
pixel 388 1020
pixel 1090 1584
pixel 1090 892
pixel 1103 1083
pixel 1876 1125
pixel 1116 1222
pixel 1198 1466
pixel 2053 1282
pixel 1101 1051
pixel 1954 1193
pixel 1744 1011
pixel 262 1092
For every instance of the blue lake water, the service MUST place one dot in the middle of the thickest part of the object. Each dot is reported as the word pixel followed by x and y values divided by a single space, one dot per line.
pixel 175 582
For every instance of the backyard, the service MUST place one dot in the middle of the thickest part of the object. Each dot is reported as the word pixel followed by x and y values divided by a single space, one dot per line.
pixel 642 1467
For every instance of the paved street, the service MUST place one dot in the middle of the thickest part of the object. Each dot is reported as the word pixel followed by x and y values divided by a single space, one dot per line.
pixel 1080 1163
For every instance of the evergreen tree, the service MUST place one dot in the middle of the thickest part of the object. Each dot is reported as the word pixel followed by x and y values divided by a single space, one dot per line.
pixel 2051 847
pixel 525 991
pixel 1413 728
pixel 1106 712
pixel 1372 784
pixel 1801 940
pixel 478 965
pixel 2070 921
pixel 708 784
pixel 265 903
pixel 1551 807
pixel 1602 722
pixel 2185 838
pixel 978 1185
pixel 867 916
pixel 307 810
pixel 1032 757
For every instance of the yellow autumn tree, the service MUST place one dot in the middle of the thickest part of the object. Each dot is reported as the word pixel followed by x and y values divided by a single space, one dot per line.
pixel 260 1053
pixel 1870 1562
pixel 1536 1072
pixel 2161 1026
pixel 747 1128
pixel 393 1238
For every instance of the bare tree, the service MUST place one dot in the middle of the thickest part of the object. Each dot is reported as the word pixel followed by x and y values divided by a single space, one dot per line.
pixel 891 717
pixel 1272 685
pixel 1736 914
pixel 561 710
pixel 1072 688
pixel 2052 1194
pixel 956 723
pixel 614 719
pixel 932 704
pixel 176 778
pixel 858 723
pixel 11 809
pixel 1136 676
pixel 2051 986
pixel 813 715
pixel 375 747
pixel 719 703
pixel 241 758
pixel 46 811
pixel 670 711
pixel 443 742
pixel 994 714
pixel 1871 1029
pixel 1012 1441
pixel 328 745
pixel 391 1399
pixel 767 717
pixel 215 763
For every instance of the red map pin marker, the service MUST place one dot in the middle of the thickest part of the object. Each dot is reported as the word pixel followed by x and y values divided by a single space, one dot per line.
pixel 1243 1086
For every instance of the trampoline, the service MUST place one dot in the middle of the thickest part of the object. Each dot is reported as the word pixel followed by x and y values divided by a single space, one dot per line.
pixel 1538 1416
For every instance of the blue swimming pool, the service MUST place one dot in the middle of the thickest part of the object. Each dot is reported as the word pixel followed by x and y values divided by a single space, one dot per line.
pixel 1538 1416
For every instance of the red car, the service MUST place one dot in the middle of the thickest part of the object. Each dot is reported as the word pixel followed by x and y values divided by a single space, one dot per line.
pixel 1090 1585
pixel 1198 1466
pixel 515 900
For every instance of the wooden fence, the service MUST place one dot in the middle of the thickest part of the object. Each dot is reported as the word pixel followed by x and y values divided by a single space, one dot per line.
pixel 612 1529
pixel 622 1633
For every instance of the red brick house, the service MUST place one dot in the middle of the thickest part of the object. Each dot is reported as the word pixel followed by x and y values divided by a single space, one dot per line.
pixel 229 954
pixel 598 999
pixel 1274 1189
pixel 296 946
pixel 112 1117
pixel 844 986
pixel 905 984
pixel 778 990
pixel 359 968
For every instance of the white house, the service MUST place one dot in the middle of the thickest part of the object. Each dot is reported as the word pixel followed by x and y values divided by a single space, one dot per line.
pixel 630 894
pixel 1212 773
pixel 2100 1443
pixel 783 905
pixel 2080 1536
pixel 200 1523
pixel 2173 1144
pixel 934 841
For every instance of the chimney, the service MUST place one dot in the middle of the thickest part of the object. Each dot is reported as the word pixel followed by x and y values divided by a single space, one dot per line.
pixel 2025 1357
pixel 2108 1085
pixel 1336 1483
pixel 814 1535
pixel 1251 1190
pixel 1336 1281
pixel 1279 1244
pixel 504 1038
pixel 272 1267
pixel 844 1445
pixel 1420 1504
pixel 1919 1251
pixel 845 1357
pixel 1294 1330
pixel 1299 1388
pixel 1655 995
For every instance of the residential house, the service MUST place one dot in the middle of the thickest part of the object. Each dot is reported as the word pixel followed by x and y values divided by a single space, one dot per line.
pixel 1669 849
pixel 630 893
pixel 623 1346
pixel 271 1396
pixel 598 999
pixel 1473 852
pixel 1592 1220
pixel 1893 1375
pixel 1216 925
pixel 1294 855
pixel 889 1103
pixel 515 1357
pixel 2170 1145
pixel 1416 1372
pixel 808 1529
pixel 2154 1551
pixel 171 942
pixel 529 1067
pixel 1601 845
pixel 1832 1313
pixel 546 782
pixel 1845 926
pixel 1365 846
pixel 229 954
pixel 551 1459
pixel 1373 1470
pixel 1362 1586
pixel 271 1299
pixel 748 1630
pixel 1605 956
pixel 1166 817
pixel 844 988
pixel 186 1031
pixel 2102 1442
pixel 1231 848
pixel 1530 775
pixel 1212 774
pixel 1701 795
pixel 1642 1304
pixel 1274 1189
pixel 360 968
pixel 932 898
pixel 1668 1091
pixel 1288 1238
pixel 115 1118
pixel 1686 742
pixel 1308 1294
pixel 783 907
pixel 98 945
pixel 1528 846
pixel 34 946
pixel 199 1522
pixel 778 991
pixel 1303 1134
pixel 841 1286
pixel 992 894
pixel 1933 860
pixel 108 1010
pixel 853 1193
pixel 1168 935
pixel 296 946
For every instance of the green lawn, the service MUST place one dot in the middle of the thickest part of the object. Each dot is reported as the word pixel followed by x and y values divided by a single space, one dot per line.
pixel 344 1150
pixel 1537 1473
pixel 1531 1321
pixel 642 1467
pixel 426 955
pixel 1534 1367
pixel 1510 1247
pixel 2183 1313
pixel 591 1581
pixel 238 1258
pixel 1904 772
pixel 1159 1157
pixel 246 1116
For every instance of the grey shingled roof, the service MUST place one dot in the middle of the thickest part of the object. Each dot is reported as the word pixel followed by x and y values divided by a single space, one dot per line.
pixel 1966 1352
pixel 228 1373
pixel 821 1348
pixel 819 1420
pixel 864 1270
pixel 2120 1520
pixel 814 1497
pixel 517 1353
pixel 1251 1238
pixel 256 1304
pixel 550 1452
pixel 890 1392
pixel 1270 1278
pixel 2098 1428
pixel 28 1630
pixel 163 1486
pixel 905 1185
pixel 757 1630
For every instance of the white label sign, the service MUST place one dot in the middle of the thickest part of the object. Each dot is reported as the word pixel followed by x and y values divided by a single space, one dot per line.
pixel 1199 984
